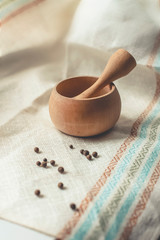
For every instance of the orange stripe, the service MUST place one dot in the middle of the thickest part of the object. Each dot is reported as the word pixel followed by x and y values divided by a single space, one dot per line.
pixel 142 203
pixel 20 10
pixel 96 188
pixel 102 180
pixel 154 51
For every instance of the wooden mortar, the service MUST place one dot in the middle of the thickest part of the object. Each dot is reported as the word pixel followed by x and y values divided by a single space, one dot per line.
pixel 84 106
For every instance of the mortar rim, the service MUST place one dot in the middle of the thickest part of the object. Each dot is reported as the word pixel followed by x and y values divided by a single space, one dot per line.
pixel 113 88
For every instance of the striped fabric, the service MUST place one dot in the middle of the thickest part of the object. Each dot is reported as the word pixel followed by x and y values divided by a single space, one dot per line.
pixel 121 194
pixel 11 8
pixel 113 204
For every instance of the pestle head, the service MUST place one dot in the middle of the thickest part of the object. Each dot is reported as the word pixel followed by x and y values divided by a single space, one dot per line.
pixel 119 65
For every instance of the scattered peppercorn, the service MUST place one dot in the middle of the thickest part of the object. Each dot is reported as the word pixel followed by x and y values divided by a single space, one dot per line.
pixel 38 163
pixel 71 146
pixel 89 157
pixel 58 239
pixel 73 206
pixel 60 185
pixel 61 169
pixel 82 151
pixel 44 164
pixel 36 149
pixel 37 192
pixel 45 160
pixel 86 152
pixel 52 162
pixel 95 154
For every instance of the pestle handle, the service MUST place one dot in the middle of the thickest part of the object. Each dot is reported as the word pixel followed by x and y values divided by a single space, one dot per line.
pixel 119 65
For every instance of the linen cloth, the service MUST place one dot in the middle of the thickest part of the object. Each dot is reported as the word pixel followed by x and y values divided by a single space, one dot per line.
pixel 43 42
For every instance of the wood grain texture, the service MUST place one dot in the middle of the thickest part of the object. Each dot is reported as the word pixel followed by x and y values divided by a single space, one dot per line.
pixel 119 65
pixel 85 117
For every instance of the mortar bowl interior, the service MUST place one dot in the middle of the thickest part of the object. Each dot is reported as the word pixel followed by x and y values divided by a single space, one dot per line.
pixel 74 86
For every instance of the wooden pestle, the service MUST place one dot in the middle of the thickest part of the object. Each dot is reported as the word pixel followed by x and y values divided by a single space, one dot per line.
pixel 119 65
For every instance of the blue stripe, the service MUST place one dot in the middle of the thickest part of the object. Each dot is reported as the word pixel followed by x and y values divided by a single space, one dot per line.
pixel 157 62
pixel 8 9
pixel 84 228
pixel 131 197
pixel 3 4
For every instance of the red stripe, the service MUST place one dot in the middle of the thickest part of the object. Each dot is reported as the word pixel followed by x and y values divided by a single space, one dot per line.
pixel 20 10
pixel 139 210
pixel 96 188
pixel 154 51
pixel 102 180
pixel 142 203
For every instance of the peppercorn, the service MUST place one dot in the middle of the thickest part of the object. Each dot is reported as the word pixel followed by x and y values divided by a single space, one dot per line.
pixel 73 206
pixel 60 185
pixel 38 163
pixel 89 157
pixel 44 164
pixel 82 151
pixel 95 154
pixel 71 146
pixel 61 169
pixel 37 192
pixel 52 162
pixel 36 149
pixel 86 152
pixel 45 160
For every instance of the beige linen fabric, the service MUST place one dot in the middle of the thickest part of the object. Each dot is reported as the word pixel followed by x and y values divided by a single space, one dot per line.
pixel 43 45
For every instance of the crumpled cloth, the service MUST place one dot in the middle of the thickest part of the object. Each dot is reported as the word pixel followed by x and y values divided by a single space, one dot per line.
pixel 117 194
